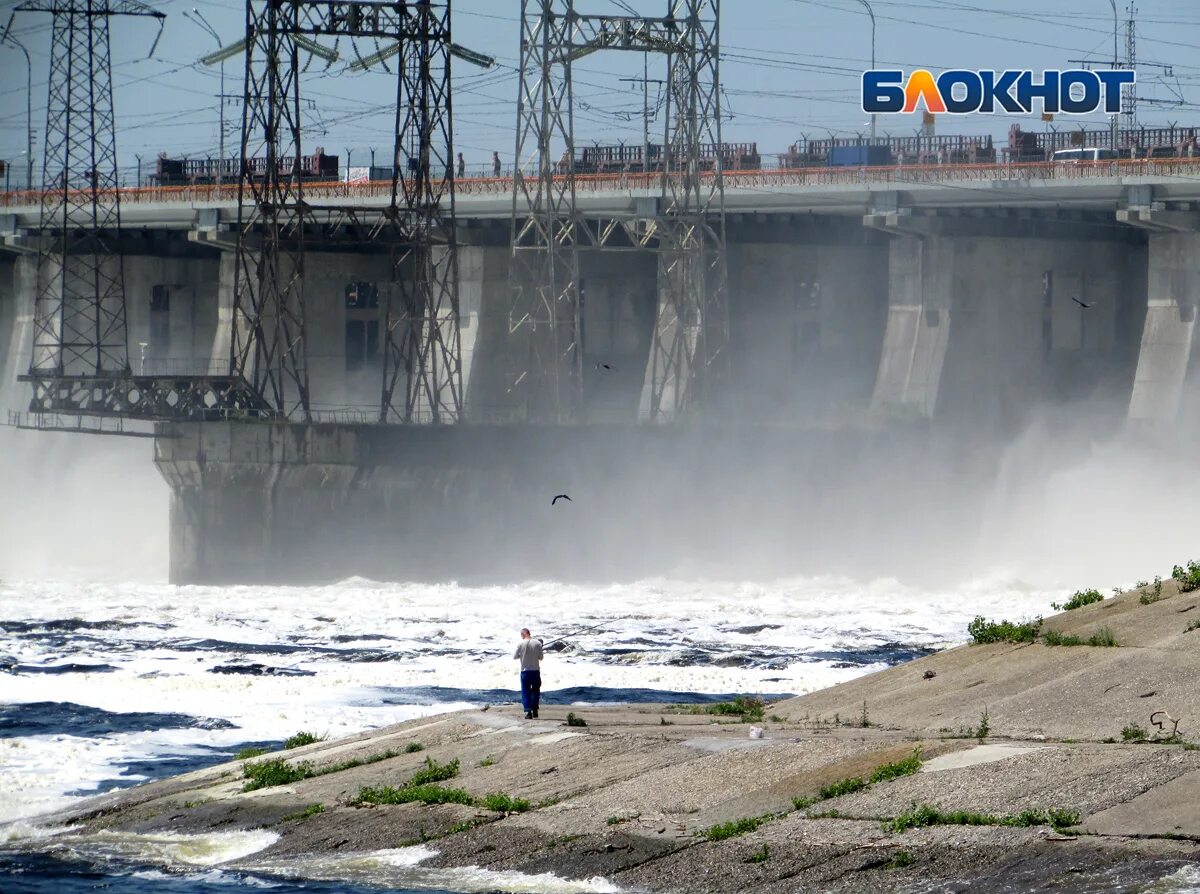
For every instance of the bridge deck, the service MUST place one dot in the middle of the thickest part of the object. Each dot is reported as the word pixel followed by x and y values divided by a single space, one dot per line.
pixel 825 190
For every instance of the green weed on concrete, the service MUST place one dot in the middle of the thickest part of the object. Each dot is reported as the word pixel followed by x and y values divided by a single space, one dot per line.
pixel 919 815
pixel 721 831
pixel 301 738
pixel 985 631
pixel 276 771
pixel 1188 577
pixel 310 810
pixel 1078 599
pixel 407 794
pixel 504 803
pixel 851 784
pixel 906 767
pixel 434 772
pixel 1054 638
pixel 1134 733
pixel 1102 637
pixel 1153 594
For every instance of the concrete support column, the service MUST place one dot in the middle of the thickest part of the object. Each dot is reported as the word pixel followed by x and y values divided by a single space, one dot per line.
pixel 19 342
pixel 222 341
pixel 918 326
pixel 1166 360
pixel 484 297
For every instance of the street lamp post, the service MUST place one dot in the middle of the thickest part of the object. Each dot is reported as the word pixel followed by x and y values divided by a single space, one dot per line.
pixel 871 13
pixel 9 39
pixel 1112 125
pixel 203 23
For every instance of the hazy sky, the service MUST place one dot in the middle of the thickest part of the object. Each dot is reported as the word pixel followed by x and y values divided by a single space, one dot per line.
pixel 789 68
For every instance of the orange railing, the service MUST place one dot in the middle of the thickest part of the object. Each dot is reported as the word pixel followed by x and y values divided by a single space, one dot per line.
pixel 770 178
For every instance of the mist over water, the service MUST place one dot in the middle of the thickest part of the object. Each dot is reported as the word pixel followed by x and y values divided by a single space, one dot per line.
pixel 818 557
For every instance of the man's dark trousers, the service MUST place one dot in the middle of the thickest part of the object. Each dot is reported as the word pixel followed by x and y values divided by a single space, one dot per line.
pixel 531 691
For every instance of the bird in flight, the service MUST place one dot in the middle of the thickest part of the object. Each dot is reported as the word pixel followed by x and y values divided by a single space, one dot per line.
pixel 1081 304
pixel 561 497
pixel 608 366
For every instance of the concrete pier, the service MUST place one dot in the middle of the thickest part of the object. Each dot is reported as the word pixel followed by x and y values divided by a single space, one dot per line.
pixel 869 345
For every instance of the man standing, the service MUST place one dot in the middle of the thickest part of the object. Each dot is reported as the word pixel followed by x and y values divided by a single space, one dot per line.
pixel 495 164
pixel 462 167
pixel 529 653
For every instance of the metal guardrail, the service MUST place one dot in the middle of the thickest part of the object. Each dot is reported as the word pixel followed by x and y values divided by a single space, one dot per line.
pixel 766 178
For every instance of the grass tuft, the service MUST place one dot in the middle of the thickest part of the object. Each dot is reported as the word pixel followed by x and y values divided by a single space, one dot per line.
pixel 276 771
pixel 843 787
pixel 1188 577
pixel 1054 638
pixel 310 810
pixel 505 803
pixel 413 747
pixel 1134 733
pixel 721 831
pixel 434 772
pixel 747 708
pixel 906 767
pixel 901 859
pixel 301 738
pixel 424 794
pixel 920 815
pixel 1155 594
pixel 985 631
pixel 1078 600
pixel 247 753
pixel 1102 637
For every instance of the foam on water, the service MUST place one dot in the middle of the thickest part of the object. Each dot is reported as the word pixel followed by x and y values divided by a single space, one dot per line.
pixel 400 868
pixel 377 653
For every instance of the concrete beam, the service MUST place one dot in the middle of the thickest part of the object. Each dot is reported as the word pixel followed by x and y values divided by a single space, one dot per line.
pixel 1160 220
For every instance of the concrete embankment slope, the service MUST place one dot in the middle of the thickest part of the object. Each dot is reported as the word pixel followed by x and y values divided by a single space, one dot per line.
pixel 638 795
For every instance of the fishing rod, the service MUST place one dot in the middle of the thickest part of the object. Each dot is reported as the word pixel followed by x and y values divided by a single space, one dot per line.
pixel 580 630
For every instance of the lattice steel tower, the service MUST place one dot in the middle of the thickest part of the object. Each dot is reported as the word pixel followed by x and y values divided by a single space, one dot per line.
pixel 685 227
pixel 421 340
pixel 79 316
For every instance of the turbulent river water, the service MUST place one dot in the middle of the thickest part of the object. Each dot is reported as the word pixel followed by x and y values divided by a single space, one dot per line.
pixel 107 685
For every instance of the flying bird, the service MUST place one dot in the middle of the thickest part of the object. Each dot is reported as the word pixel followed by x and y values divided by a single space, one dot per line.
pixel 1081 304
pixel 608 366
pixel 561 497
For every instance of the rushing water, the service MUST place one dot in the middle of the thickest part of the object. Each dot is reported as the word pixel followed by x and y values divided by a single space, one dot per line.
pixel 108 685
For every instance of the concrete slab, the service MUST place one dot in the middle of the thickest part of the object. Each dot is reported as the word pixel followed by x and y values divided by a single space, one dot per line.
pixel 1168 809
pixel 980 754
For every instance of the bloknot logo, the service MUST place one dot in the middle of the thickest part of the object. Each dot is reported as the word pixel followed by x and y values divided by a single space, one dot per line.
pixel 963 92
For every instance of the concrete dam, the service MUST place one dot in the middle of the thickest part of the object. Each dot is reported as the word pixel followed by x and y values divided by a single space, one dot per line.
pixel 891 336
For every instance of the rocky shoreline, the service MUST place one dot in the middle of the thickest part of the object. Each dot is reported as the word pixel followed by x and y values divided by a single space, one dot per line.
pixel 1008 766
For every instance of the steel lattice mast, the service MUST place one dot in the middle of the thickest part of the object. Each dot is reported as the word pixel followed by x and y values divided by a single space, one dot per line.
pixel 692 327
pixel 544 312
pixel 79 316
pixel 686 228
pixel 269 344
pixel 422 340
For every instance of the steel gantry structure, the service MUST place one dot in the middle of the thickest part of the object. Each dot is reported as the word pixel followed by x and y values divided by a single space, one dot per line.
pixel 421 350
pixel 80 358
pixel 684 225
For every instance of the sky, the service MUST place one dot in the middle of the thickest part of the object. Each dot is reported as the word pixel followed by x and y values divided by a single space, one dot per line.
pixel 789 69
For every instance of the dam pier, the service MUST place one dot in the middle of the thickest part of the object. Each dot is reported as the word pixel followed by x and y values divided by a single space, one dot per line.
pixel 863 321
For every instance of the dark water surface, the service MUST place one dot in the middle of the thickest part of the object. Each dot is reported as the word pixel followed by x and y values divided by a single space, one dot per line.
pixel 42 874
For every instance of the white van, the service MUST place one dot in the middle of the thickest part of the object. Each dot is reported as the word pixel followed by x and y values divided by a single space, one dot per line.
pixel 1085 153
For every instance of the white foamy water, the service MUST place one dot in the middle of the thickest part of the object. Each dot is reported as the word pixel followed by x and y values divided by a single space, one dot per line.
pixel 248 664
